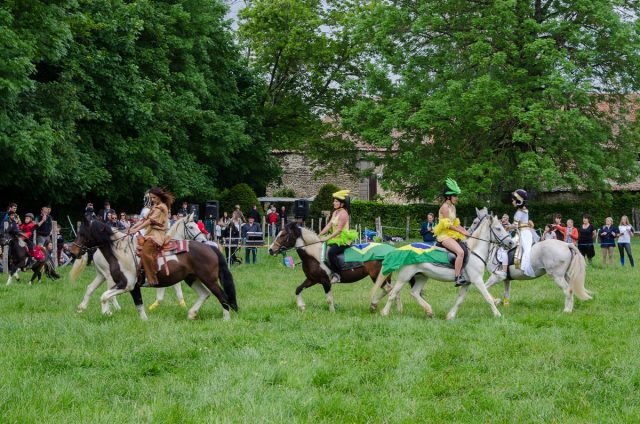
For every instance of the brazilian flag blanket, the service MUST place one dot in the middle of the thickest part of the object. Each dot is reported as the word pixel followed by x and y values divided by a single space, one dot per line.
pixel 414 253
pixel 367 252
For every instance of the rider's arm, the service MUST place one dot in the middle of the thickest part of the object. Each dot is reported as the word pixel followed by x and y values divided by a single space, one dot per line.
pixel 444 212
pixel 342 221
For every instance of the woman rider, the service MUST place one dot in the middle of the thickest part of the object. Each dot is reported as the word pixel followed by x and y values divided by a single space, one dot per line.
pixel 449 232
pixel 525 235
pixel 155 225
pixel 339 235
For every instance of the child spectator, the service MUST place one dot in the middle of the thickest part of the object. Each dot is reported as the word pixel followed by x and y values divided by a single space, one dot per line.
pixel 608 234
pixel 27 228
pixel 549 233
pixel 569 233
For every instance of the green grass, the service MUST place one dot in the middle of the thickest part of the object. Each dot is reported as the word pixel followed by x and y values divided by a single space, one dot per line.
pixel 272 363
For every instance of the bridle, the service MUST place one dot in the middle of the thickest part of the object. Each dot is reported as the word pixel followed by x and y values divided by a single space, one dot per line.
pixel 494 241
pixel 282 250
pixel 188 235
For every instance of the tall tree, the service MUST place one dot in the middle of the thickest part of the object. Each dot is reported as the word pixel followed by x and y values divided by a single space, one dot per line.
pixel 306 54
pixel 107 97
pixel 500 94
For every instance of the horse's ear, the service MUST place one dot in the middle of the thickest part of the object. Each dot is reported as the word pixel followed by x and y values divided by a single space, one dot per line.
pixel 190 217
pixel 477 212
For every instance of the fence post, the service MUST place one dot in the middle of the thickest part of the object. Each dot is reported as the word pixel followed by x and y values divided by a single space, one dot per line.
pixel 54 240
pixel 408 228
pixel 379 228
pixel 5 252
pixel 634 217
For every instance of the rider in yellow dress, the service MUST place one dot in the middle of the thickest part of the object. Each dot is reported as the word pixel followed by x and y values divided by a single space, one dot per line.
pixel 449 232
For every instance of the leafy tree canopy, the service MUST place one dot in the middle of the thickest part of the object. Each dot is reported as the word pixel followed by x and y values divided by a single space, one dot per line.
pixel 323 200
pixel 109 97
pixel 500 94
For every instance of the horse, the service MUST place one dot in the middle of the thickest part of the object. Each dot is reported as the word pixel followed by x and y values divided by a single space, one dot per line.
pixel 309 248
pixel 183 229
pixel 199 267
pixel 562 261
pixel 486 234
pixel 18 253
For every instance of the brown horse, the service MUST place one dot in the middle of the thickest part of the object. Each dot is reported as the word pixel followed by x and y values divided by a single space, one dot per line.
pixel 199 267
pixel 309 248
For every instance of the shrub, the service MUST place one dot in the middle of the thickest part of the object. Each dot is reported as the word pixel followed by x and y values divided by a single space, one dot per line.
pixel 239 194
pixel 284 192
pixel 323 201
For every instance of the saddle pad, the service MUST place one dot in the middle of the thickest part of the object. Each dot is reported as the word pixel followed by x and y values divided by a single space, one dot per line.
pixel 174 247
pixel 367 252
pixel 414 253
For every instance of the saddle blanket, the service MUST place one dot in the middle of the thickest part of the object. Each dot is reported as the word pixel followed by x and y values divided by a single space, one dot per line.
pixel 367 252
pixel 171 250
pixel 414 253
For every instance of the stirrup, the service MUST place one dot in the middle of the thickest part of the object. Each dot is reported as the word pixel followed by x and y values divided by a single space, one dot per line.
pixel 460 281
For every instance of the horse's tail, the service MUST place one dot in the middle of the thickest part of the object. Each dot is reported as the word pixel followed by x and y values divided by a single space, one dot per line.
pixel 226 278
pixel 78 266
pixel 379 281
pixel 576 274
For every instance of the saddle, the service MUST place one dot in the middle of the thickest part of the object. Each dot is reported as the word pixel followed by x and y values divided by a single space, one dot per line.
pixel 345 266
pixel 452 256
pixel 163 254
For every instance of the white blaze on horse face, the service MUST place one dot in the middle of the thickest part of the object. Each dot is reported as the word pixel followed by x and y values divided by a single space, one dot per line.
pixel 275 241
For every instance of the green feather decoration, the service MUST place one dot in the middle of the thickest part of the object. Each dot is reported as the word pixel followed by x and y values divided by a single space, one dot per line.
pixel 452 186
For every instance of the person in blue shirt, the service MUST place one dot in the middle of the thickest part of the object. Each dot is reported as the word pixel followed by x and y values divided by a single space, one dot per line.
pixel 608 234
pixel 426 230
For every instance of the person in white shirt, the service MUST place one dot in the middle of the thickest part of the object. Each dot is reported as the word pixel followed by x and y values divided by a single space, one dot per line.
pixel 624 241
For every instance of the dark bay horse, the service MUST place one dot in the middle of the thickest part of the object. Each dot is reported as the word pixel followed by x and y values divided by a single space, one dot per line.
pixel 18 252
pixel 199 267
pixel 309 248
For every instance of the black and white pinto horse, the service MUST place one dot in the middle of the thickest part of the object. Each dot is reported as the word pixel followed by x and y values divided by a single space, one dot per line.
pixel 201 267
pixel 183 229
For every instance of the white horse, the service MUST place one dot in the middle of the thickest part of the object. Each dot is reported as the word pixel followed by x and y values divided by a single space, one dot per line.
pixel 486 234
pixel 183 229
pixel 562 261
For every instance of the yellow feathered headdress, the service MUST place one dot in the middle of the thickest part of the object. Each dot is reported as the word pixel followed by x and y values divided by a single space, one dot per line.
pixel 341 195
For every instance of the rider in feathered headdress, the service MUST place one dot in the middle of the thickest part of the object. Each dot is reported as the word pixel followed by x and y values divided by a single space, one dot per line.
pixel 155 224
pixel 449 232
pixel 339 236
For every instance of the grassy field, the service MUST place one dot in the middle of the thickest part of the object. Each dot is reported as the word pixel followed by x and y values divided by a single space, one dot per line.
pixel 272 363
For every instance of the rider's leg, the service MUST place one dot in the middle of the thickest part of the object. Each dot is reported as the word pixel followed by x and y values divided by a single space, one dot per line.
pixel 148 259
pixel 333 253
pixel 452 245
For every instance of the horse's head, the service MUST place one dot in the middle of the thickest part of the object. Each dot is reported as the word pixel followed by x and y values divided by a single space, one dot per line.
pixel 286 239
pixel 497 233
pixel 192 231
pixel 92 233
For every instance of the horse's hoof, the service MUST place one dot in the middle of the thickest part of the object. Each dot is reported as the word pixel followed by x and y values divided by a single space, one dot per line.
pixel 192 315
pixel 373 307
pixel 154 305
pixel 182 303
pixel 144 317
pixel 450 317
pixel 383 313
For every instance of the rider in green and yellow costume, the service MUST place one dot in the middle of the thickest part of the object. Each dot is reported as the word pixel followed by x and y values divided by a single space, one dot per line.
pixel 449 232
pixel 339 236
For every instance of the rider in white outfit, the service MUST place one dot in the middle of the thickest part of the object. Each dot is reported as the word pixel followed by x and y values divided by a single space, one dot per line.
pixel 525 237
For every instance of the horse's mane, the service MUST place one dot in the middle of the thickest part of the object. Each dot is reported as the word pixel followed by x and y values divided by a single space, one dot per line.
pixel 307 233
pixel 174 228
pixel 471 242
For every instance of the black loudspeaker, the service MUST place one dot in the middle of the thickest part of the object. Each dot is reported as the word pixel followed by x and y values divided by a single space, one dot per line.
pixel 195 209
pixel 301 208
pixel 211 210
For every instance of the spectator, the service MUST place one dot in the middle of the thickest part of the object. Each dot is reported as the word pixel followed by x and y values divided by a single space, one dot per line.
pixel 569 233
pixel 102 214
pixel 13 221
pixel 65 255
pixel 202 229
pixel 549 233
pixel 282 217
pixel 124 221
pixel 224 221
pixel 426 230
pixel 272 220
pixel 59 242
pixel 135 218
pixel 624 242
pixel 251 227
pixel 89 213
pixel 174 218
pixel 183 210
pixel 608 234
pixel 13 207
pixel 253 213
pixel 557 221
pixel 238 216
pixel 586 235
pixel 534 233
pixel 505 222
pixel 45 226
